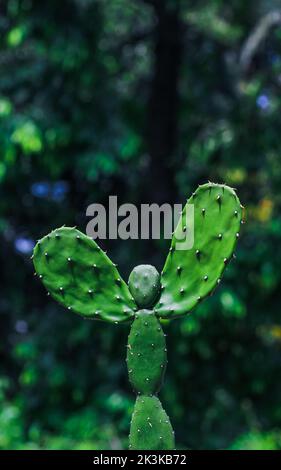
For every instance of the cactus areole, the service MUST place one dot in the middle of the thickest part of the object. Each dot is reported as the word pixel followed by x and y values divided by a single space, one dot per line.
pixel 79 275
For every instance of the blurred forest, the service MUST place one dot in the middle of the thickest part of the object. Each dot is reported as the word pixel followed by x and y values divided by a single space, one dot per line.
pixel 143 99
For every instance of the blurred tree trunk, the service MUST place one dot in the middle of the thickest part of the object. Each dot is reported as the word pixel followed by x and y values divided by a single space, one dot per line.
pixel 162 119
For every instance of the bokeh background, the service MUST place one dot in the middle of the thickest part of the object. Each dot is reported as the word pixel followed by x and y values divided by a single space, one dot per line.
pixel 143 99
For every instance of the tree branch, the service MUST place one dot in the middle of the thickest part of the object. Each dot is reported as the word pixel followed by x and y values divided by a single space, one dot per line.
pixel 256 37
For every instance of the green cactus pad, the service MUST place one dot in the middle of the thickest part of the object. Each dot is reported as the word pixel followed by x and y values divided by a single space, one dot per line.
pixel 150 427
pixel 144 285
pixel 190 275
pixel 146 353
pixel 79 275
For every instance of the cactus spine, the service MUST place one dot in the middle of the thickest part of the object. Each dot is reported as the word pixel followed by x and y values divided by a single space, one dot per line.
pixel 78 274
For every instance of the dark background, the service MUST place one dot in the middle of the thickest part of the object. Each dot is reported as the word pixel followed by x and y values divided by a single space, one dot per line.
pixel 142 99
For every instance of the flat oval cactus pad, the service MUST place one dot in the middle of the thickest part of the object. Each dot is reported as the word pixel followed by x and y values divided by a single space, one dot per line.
pixel 79 275
pixel 190 275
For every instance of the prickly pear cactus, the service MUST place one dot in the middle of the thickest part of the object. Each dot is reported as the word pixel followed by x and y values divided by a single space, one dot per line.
pixel 79 275
pixel 144 284
pixel 146 360
pixel 189 276
pixel 150 427
pixel 146 353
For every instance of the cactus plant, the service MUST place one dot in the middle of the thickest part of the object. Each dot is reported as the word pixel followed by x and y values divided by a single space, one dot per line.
pixel 78 274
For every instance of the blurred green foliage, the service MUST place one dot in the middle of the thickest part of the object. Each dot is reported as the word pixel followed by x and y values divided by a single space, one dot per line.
pixel 100 98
